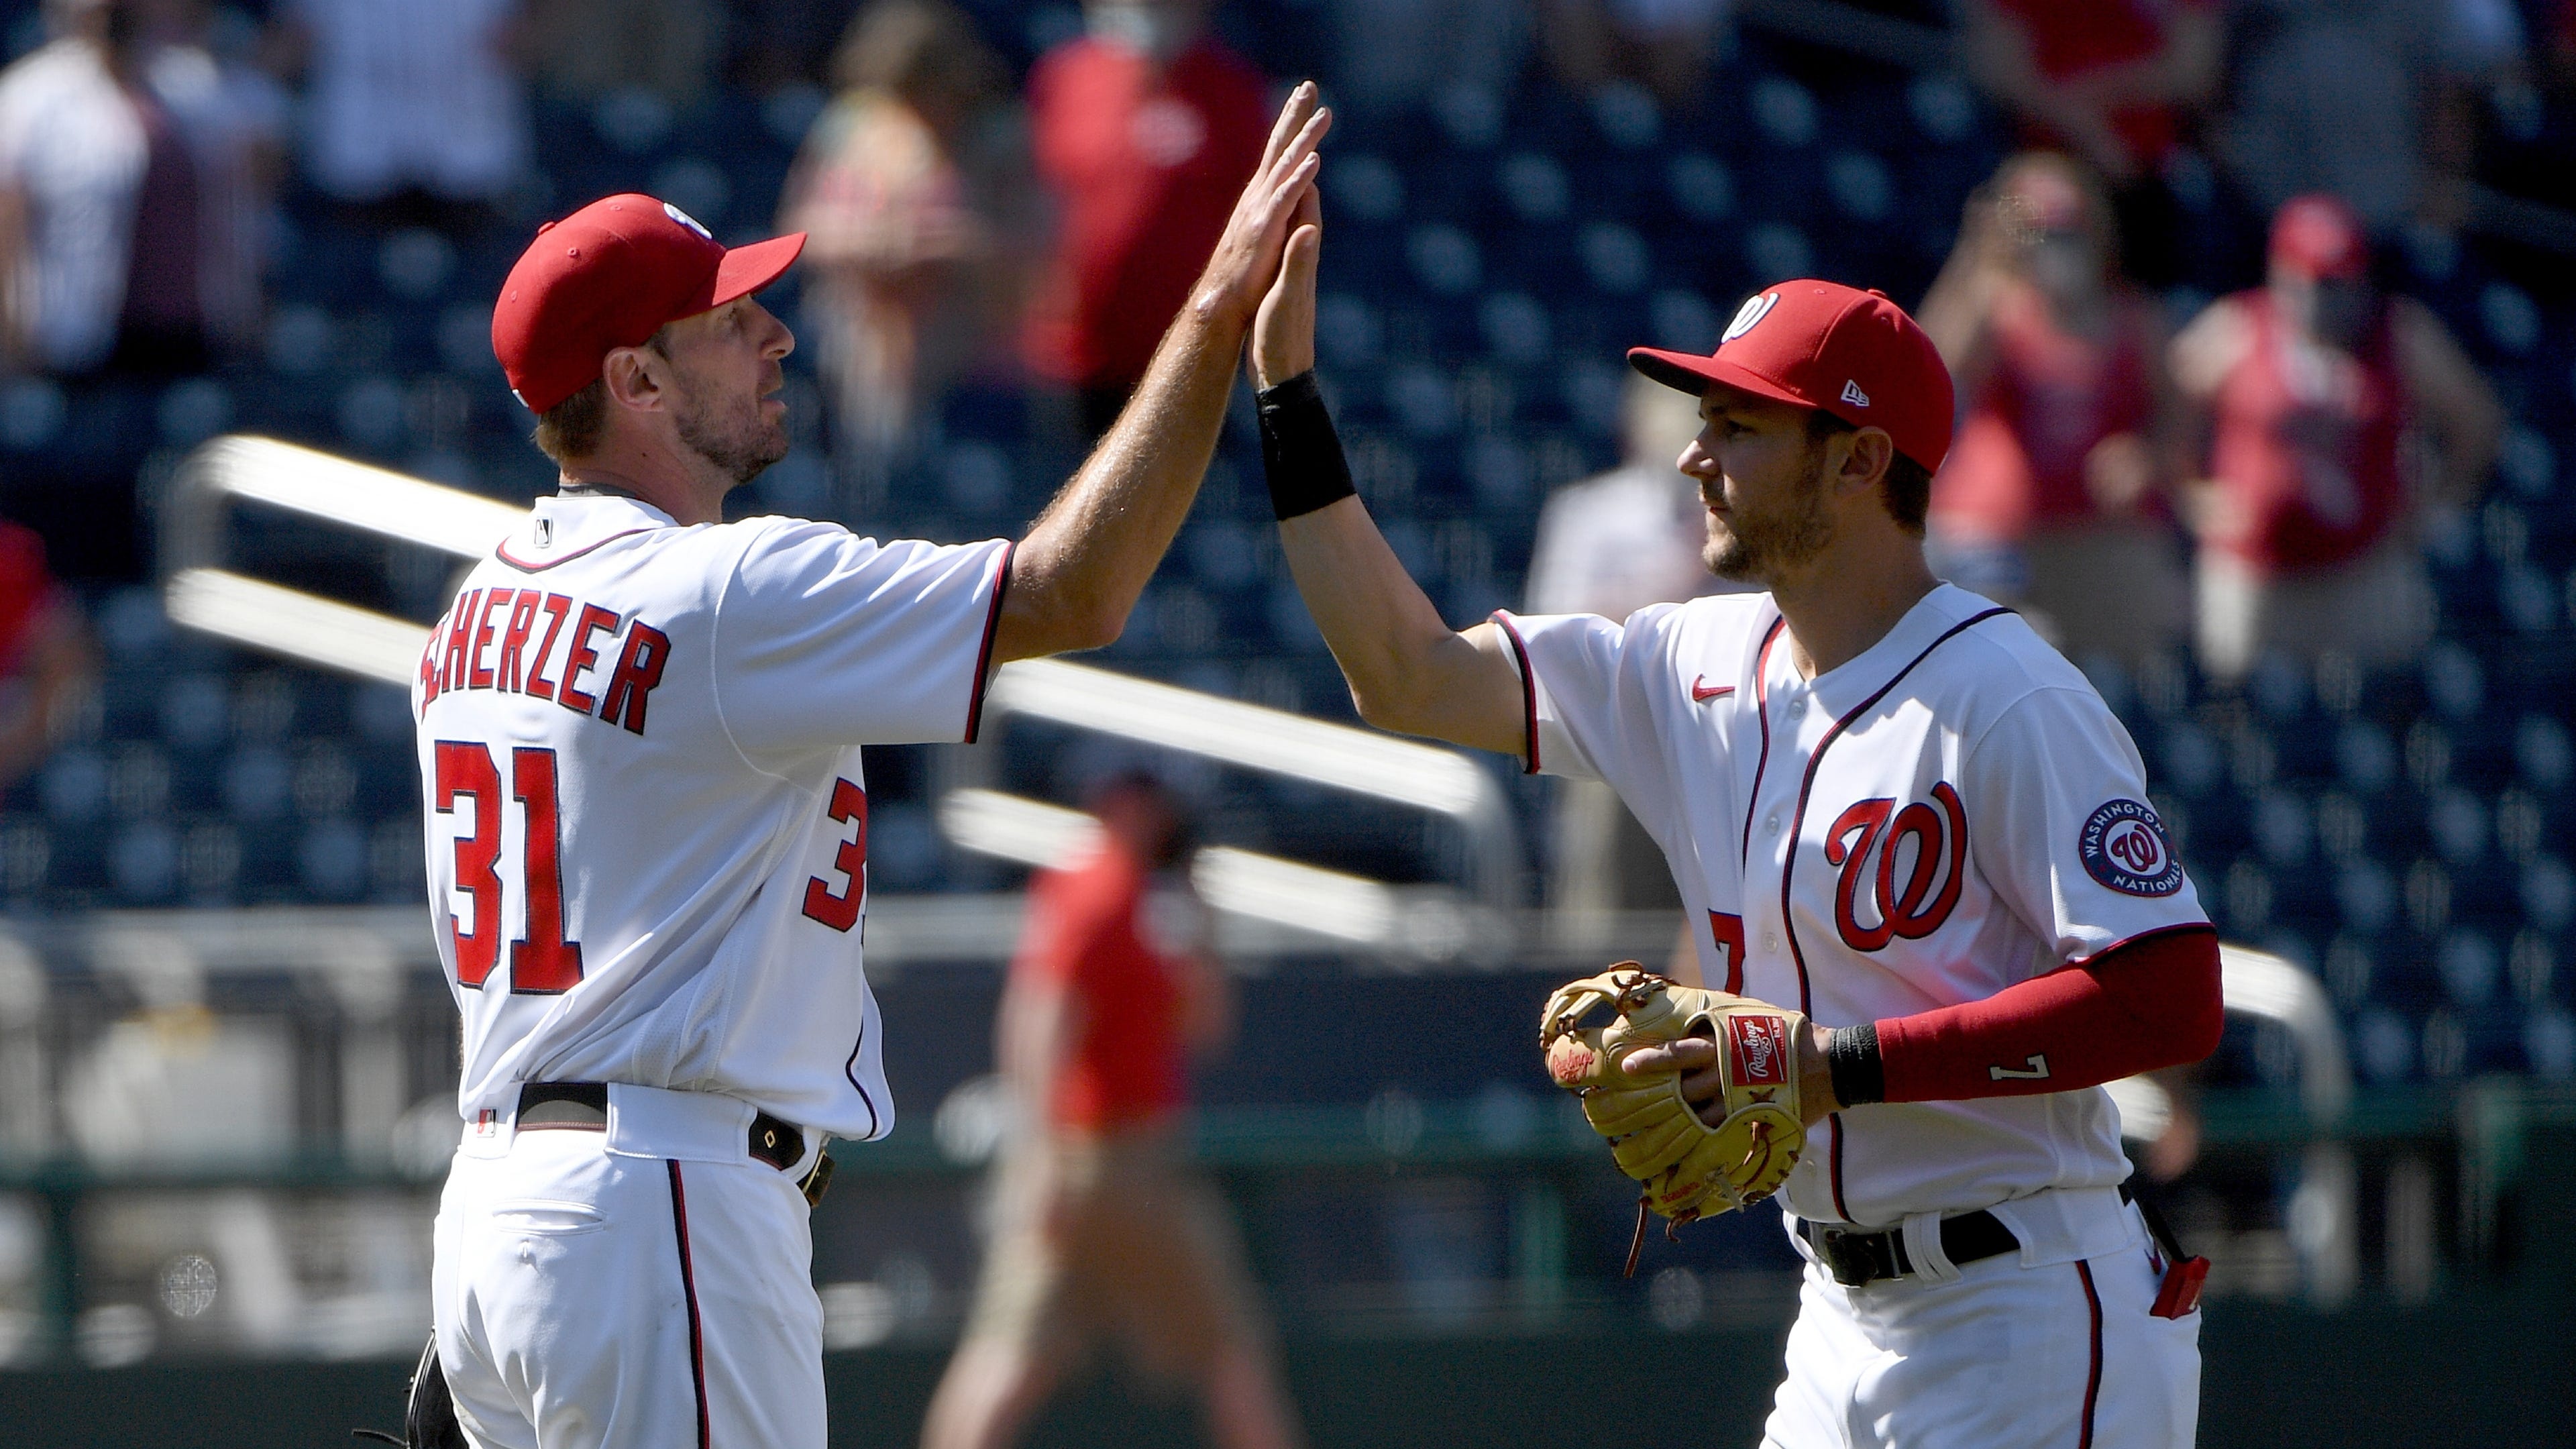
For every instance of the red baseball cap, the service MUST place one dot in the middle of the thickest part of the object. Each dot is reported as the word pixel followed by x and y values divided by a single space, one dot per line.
pixel 610 275
pixel 2319 236
pixel 1823 345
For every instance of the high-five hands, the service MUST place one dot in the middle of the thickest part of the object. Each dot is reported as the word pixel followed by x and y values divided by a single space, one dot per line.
pixel 1246 264
pixel 1283 332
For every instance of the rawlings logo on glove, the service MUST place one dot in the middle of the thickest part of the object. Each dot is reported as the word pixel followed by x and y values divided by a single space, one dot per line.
pixel 1688 1168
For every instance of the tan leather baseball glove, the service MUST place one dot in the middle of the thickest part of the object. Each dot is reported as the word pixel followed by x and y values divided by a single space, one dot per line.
pixel 1689 1169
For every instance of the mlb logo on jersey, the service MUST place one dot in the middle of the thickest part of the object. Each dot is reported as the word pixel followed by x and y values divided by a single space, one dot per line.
pixel 1761 1050
pixel 2123 846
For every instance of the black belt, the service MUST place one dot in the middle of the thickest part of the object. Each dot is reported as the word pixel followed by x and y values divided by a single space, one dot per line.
pixel 1855 1257
pixel 583 1107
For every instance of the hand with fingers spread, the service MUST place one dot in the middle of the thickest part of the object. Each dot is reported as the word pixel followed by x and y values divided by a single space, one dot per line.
pixel 1247 256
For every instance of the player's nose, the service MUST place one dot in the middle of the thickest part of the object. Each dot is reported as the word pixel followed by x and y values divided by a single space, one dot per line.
pixel 776 340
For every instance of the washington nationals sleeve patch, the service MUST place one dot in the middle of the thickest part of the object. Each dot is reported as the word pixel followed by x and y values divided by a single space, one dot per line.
pixel 2124 847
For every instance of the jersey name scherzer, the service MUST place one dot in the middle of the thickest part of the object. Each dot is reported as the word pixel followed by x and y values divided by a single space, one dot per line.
pixel 647 822
pixel 1951 813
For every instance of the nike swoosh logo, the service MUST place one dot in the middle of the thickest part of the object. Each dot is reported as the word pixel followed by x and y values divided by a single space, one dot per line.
pixel 1702 691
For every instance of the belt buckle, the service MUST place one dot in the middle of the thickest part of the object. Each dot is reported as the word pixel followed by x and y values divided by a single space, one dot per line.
pixel 817 1180
pixel 1855 1259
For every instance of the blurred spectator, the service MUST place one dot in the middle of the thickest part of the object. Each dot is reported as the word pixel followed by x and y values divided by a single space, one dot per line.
pixel 2053 497
pixel 1663 45
pixel 2372 100
pixel 2112 81
pixel 914 187
pixel 1611 545
pixel 234 117
pixel 413 112
pixel 1102 1229
pixel 115 231
pixel 2307 389
pixel 45 654
pixel 586 49
pixel 1145 127
pixel 1391 54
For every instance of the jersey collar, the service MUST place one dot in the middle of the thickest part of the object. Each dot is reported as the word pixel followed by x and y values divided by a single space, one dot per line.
pixel 563 526
pixel 1936 611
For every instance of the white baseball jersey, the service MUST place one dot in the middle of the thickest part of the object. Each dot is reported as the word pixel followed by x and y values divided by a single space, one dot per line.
pixel 1951 813
pixel 647 821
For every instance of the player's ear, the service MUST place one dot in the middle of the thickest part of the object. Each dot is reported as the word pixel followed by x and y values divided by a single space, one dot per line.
pixel 634 377
pixel 1870 452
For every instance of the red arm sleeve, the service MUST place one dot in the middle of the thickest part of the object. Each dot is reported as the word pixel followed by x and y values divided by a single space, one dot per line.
pixel 2148 1003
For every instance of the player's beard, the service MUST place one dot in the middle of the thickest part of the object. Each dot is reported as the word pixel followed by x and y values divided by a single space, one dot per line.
pixel 1760 546
pixel 739 442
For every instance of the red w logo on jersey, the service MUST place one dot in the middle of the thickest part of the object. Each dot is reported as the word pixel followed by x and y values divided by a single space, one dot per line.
pixel 1869 847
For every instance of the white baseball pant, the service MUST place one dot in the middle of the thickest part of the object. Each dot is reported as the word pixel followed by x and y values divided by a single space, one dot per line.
pixel 2043 1349
pixel 592 1295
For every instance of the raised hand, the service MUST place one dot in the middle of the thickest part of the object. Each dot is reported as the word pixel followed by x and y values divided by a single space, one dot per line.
pixel 1283 331
pixel 1246 261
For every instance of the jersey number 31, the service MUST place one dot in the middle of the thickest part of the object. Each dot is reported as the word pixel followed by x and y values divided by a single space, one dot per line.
pixel 542 962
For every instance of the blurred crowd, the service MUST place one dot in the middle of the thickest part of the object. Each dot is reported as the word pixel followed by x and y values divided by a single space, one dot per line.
pixel 2225 430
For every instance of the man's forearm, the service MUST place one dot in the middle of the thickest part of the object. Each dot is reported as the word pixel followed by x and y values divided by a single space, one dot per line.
pixel 2154 1002
pixel 1408 671
pixel 1082 566
pixel 1086 560
pixel 1372 614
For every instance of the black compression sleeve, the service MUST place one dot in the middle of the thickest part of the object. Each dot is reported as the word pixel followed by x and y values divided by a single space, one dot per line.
pixel 1300 453
pixel 1851 1053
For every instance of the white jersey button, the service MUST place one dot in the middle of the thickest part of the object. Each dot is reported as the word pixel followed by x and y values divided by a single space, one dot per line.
pixel 1797 707
pixel 1770 940
pixel 1772 824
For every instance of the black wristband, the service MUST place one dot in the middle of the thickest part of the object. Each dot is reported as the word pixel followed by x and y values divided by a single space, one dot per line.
pixel 1301 455
pixel 1851 1054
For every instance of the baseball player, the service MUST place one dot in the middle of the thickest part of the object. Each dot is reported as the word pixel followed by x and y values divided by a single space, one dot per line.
pixel 640 733
pixel 1897 811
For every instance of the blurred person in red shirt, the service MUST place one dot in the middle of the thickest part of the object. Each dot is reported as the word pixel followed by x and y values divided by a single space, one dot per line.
pixel 45 653
pixel 1102 1230
pixel 2053 496
pixel 2307 391
pixel 1145 128
pixel 2112 81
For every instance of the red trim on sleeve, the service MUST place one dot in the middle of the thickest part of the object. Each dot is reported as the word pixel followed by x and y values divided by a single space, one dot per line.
pixel 2152 1001
pixel 1529 689
pixel 984 653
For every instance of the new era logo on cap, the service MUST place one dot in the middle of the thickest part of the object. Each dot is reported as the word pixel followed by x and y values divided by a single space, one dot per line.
pixel 1833 348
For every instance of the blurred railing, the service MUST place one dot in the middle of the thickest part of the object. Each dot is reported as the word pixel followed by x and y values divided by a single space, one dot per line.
pixel 1250 736
pixel 200 1097
pixel 203 593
